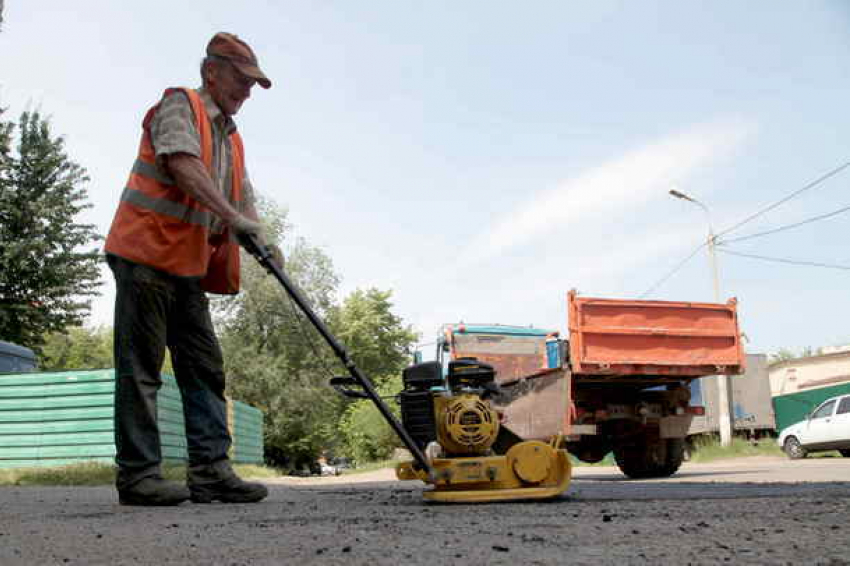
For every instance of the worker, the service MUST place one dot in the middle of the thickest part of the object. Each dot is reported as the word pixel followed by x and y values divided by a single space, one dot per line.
pixel 174 238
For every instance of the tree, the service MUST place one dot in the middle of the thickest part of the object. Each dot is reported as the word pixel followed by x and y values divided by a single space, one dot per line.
pixel 366 435
pixel 78 348
pixel 48 261
pixel 379 343
pixel 376 338
pixel 273 358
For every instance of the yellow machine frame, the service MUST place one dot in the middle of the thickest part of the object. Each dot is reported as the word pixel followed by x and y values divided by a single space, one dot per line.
pixel 528 470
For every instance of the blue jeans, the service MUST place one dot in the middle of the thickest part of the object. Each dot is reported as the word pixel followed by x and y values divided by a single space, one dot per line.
pixel 153 310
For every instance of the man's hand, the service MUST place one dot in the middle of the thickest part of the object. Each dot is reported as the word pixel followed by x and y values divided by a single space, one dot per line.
pixel 277 255
pixel 241 224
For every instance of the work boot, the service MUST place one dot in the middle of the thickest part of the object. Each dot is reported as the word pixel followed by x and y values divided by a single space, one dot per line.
pixel 153 490
pixel 218 482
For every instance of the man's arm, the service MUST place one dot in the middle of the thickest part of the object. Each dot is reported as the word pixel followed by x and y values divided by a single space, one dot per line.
pixel 191 176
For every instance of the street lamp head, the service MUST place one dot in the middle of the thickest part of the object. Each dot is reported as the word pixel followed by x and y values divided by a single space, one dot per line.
pixel 683 196
pixel 677 194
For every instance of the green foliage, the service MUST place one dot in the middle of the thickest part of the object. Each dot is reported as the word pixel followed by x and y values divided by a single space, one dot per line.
pixel 274 359
pixel 300 411
pixel 46 272
pixel 78 348
pixel 709 449
pixel 366 436
pixel 376 338
pixel 380 345
pixel 85 473
pixel 100 473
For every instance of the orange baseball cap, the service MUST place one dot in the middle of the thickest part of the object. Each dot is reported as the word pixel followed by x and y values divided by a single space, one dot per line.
pixel 238 52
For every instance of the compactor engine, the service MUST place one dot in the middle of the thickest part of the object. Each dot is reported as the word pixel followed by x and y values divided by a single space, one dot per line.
pixel 473 457
pixel 454 412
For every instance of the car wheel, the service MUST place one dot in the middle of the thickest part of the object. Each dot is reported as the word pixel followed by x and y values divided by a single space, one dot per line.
pixel 845 452
pixel 794 449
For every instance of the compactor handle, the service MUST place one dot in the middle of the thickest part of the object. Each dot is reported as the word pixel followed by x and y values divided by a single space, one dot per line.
pixel 342 384
pixel 264 256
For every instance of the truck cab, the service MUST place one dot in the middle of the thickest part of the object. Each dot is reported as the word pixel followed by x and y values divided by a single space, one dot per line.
pixel 514 352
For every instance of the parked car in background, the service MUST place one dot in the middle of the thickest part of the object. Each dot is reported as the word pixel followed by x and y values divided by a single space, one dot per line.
pixel 826 428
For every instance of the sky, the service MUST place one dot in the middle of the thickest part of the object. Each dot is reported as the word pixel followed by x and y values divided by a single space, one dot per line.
pixel 480 159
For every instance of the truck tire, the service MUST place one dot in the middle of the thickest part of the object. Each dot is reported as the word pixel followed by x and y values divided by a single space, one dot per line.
pixel 845 452
pixel 649 456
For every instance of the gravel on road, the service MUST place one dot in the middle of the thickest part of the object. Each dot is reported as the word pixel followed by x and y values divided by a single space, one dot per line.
pixel 708 514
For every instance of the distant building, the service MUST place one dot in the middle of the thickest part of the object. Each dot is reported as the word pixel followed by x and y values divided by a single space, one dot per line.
pixel 799 385
pixel 835 349
pixel 812 372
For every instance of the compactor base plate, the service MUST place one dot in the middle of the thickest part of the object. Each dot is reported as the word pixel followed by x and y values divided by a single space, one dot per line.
pixel 529 470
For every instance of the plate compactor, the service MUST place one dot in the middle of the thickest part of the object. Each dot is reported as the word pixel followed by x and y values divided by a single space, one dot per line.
pixel 471 456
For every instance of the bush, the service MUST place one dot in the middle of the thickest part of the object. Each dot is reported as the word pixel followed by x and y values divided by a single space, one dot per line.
pixel 365 434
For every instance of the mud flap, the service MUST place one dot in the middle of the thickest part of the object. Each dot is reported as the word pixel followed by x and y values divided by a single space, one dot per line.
pixel 675 426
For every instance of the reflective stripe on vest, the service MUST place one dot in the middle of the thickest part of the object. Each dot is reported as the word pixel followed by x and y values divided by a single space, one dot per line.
pixel 148 170
pixel 176 210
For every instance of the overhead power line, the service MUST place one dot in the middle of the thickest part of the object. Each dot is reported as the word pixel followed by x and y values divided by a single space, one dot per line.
pixel 807 187
pixel 783 260
pixel 673 271
pixel 786 227
pixel 719 243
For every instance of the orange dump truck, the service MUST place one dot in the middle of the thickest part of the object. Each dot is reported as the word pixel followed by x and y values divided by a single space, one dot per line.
pixel 619 383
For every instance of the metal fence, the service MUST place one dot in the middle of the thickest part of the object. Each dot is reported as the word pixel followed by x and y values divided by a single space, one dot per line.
pixel 59 418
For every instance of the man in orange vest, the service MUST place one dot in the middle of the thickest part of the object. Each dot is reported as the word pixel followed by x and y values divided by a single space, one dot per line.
pixel 173 239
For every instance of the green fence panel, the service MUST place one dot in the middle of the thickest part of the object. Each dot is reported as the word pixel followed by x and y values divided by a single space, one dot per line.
pixel 85 413
pixel 37 463
pixel 61 418
pixel 247 432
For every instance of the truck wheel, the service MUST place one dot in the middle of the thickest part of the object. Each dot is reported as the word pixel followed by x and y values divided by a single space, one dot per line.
pixel 676 448
pixel 845 452
pixel 794 449
pixel 650 456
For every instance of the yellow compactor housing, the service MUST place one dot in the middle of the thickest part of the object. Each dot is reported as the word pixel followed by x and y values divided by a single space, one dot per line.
pixel 529 470
pixel 460 428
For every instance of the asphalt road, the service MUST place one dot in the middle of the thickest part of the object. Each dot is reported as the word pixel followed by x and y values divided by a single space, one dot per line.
pixel 749 511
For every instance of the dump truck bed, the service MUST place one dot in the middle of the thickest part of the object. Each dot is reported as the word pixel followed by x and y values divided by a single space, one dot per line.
pixel 612 337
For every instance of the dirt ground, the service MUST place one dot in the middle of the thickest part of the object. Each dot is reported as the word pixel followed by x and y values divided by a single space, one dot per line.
pixel 747 511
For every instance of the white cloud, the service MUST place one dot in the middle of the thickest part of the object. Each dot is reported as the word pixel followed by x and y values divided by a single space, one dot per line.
pixel 622 183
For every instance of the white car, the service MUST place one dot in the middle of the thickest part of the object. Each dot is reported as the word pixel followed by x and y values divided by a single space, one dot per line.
pixel 826 428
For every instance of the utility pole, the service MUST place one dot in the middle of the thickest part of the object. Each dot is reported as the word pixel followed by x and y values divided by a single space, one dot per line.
pixel 725 417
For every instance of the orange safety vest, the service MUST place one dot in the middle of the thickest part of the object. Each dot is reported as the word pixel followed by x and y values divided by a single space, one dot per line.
pixel 159 225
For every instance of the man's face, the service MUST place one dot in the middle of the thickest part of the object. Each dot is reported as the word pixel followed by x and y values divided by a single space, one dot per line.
pixel 228 87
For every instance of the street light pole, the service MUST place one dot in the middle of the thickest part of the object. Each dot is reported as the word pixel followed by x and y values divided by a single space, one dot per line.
pixel 724 385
